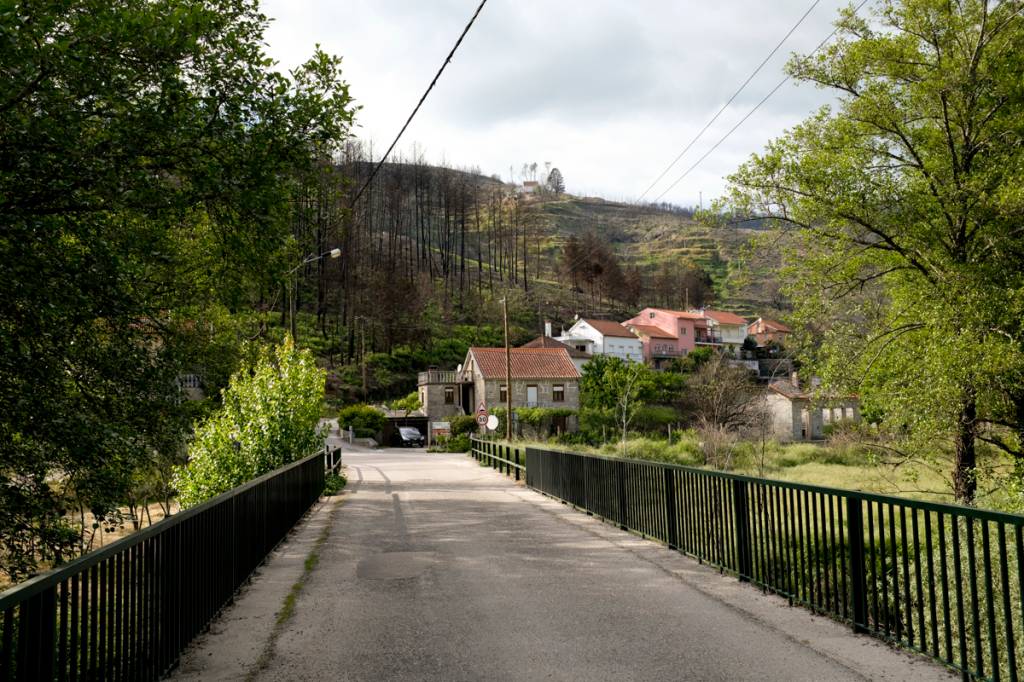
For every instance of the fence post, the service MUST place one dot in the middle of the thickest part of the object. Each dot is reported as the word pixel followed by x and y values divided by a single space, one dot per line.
pixel 517 464
pixel 858 579
pixel 620 480
pixel 670 509
pixel 741 514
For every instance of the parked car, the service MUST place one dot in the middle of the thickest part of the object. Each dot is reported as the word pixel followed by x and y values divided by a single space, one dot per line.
pixel 411 437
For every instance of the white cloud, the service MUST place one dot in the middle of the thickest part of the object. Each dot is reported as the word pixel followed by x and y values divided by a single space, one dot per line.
pixel 609 92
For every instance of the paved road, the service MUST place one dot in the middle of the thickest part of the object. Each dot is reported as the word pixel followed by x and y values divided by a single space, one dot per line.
pixel 438 569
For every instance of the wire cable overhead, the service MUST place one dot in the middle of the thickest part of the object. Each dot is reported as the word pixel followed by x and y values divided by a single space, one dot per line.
pixel 730 100
pixel 430 87
pixel 749 113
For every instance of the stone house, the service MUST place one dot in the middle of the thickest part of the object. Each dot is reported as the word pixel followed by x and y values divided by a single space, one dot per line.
pixel 439 392
pixel 799 415
pixel 540 377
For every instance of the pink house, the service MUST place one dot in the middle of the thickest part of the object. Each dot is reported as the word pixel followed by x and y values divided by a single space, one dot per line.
pixel 667 334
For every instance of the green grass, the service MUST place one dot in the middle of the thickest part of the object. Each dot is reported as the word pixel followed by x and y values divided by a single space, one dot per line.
pixel 843 467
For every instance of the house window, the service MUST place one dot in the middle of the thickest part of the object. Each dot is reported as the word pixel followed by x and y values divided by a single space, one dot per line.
pixel 682 331
pixel 650 315
pixel 449 395
pixel 558 393
pixel 581 348
pixel 503 394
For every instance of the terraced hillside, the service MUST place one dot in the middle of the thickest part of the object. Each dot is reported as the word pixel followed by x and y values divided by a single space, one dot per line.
pixel 646 237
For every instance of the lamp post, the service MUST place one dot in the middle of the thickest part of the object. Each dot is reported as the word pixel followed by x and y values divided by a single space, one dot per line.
pixel 292 284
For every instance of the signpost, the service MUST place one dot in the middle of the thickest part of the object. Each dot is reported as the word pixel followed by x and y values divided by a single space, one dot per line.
pixel 481 415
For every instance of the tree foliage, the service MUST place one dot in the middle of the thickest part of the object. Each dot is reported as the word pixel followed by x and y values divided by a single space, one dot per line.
pixel 147 157
pixel 902 206
pixel 268 418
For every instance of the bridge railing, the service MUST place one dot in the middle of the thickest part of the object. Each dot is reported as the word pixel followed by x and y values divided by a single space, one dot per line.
pixel 506 459
pixel 127 610
pixel 940 579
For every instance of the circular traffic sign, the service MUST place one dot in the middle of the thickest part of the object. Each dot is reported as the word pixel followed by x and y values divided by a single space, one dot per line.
pixel 492 423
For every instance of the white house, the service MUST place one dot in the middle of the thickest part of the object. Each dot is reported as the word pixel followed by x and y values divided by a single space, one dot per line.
pixel 725 328
pixel 604 337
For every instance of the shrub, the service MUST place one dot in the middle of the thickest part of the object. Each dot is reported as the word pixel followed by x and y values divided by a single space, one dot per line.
pixel 463 425
pixel 333 483
pixel 363 419
pixel 459 443
pixel 269 418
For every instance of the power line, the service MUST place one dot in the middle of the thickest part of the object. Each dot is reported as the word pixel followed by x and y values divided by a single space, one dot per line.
pixel 447 61
pixel 749 113
pixel 734 95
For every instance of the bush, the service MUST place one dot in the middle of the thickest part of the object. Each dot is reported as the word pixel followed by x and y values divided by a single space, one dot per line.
pixel 366 421
pixel 333 483
pixel 463 425
pixel 459 443
pixel 269 418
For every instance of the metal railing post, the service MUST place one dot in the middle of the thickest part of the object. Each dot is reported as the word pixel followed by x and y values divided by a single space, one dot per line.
pixel 517 464
pixel 620 481
pixel 858 579
pixel 741 516
pixel 672 526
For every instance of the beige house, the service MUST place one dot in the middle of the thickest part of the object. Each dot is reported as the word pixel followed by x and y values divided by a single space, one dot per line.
pixel 798 415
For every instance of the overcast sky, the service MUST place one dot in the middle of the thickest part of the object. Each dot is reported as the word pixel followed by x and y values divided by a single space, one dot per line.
pixel 608 92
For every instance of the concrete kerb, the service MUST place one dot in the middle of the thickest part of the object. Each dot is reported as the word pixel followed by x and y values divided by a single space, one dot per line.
pixel 861 654
pixel 238 638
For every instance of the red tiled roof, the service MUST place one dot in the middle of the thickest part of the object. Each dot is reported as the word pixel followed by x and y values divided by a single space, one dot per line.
pixel 527 363
pixel 723 317
pixel 680 313
pixel 610 328
pixel 548 342
pixel 785 387
pixel 652 331
pixel 777 326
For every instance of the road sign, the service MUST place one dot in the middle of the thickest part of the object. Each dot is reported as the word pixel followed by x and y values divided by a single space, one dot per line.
pixel 492 423
pixel 481 415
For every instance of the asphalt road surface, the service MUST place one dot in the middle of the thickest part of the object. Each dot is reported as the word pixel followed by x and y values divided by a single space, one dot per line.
pixel 435 568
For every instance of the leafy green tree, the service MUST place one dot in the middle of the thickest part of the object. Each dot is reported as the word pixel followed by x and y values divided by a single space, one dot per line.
pixel 364 420
pixel 147 157
pixel 269 418
pixel 902 206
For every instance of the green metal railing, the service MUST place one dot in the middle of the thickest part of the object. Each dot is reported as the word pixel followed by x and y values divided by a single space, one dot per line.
pixel 503 458
pixel 127 610
pixel 939 579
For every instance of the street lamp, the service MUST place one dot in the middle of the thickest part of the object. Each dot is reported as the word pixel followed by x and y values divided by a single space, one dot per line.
pixel 333 253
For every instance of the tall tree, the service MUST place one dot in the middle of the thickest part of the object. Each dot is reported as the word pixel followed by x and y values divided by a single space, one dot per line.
pixel 147 152
pixel 903 209
pixel 556 183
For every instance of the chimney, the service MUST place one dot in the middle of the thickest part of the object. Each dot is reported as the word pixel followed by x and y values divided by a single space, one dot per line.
pixel 547 328
pixel 794 379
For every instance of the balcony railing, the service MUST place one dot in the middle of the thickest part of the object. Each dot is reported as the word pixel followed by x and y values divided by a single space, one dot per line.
pixel 436 376
pixel 666 352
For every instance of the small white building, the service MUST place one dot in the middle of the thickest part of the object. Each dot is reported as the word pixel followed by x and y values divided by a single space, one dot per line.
pixel 799 415
pixel 604 337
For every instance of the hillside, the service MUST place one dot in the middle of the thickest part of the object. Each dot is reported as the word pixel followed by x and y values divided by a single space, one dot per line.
pixel 646 237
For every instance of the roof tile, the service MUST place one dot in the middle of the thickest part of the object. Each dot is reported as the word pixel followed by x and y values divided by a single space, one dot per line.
pixel 526 363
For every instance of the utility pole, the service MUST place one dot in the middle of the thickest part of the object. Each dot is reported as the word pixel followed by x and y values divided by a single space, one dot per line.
pixel 508 374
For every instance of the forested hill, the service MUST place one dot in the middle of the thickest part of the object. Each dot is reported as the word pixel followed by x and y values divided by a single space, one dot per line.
pixel 612 256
